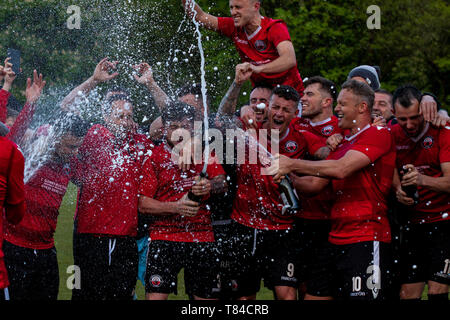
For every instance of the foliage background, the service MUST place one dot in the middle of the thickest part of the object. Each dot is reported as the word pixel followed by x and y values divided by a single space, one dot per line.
pixel 330 38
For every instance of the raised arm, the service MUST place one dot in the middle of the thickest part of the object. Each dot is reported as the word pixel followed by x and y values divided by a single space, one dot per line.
pixel 205 19
pixel 32 93
pixel 101 74
pixel 285 61
pixel 145 77
pixel 331 169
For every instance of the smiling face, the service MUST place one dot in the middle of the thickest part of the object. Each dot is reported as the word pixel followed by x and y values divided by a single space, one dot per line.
pixel 280 114
pixel 258 96
pixel 410 118
pixel 312 101
pixel 382 105
pixel 347 109
pixel 243 11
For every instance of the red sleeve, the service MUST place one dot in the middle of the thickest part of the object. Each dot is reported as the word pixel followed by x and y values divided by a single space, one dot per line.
pixel 149 182
pixel 15 194
pixel 22 123
pixel 226 26
pixel 313 142
pixel 375 143
pixel 15 190
pixel 278 33
pixel 444 144
pixel 4 96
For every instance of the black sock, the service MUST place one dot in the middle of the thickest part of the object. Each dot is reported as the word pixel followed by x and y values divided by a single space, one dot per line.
pixel 438 297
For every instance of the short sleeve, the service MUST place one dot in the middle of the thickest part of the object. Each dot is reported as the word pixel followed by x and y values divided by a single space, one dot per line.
pixel 149 182
pixel 278 32
pixel 226 26
pixel 444 144
pixel 376 142
pixel 15 190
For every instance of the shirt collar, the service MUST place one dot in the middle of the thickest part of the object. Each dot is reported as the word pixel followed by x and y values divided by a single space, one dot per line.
pixel 356 134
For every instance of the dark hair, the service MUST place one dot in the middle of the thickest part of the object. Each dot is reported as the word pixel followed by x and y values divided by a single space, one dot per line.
pixel 178 111
pixel 405 95
pixel 325 84
pixel 386 92
pixel 362 90
pixel 194 89
pixel 11 113
pixel 286 92
pixel 261 85
pixel 76 126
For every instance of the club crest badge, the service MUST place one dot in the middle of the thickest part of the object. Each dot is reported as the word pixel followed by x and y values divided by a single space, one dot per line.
pixel 328 130
pixel 428 142
pixel 291 146
pixel 260 45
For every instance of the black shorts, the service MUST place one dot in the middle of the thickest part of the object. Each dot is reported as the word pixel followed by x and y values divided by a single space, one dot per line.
pixel 222 234
pixel 425 253
pixel 316 268
pixel 362 271
pixel 199 260
pixel 271 255
pixel 108 267
pixel 33 274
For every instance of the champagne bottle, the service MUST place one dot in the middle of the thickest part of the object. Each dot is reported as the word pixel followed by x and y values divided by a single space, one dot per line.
pixel 191 196
pixel 290 200
pixel 411 191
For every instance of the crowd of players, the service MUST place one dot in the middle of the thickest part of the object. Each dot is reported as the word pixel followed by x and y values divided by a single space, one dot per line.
pixel 145 211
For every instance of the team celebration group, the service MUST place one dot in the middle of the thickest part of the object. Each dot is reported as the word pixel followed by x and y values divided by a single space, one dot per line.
pixel 370 170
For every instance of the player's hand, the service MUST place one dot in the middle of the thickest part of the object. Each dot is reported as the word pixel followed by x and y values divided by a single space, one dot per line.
pixel 411 176
pixel 248 116
pixel 379 121
pixel 202 186
pixel 146 73
pixel 428 108
pixel 334 140
pixel 103 69
pixel 280 167
pixel 403 198
pixel 34 90
pixel 440 120
pixel 9 76
pixel 243 72
pixel 186 207
pixel 256 69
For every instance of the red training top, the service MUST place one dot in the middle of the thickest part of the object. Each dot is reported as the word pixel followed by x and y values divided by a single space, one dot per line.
pixel 261 48
pixel 109 175
pixel 360 210
pixel 258 203
pixel 164 181
pixel 319 206
pixel 426 152
pixel 44 193
pixel 11 193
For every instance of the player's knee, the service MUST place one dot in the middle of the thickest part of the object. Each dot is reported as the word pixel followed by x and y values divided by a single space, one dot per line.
pixel 410 292
pixel 285 293
pixel 437 288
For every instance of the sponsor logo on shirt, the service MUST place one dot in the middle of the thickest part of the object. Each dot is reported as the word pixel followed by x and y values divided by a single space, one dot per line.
pixel 53 187
pixel 402 147
pixel 291 146
pixel 327 130
pixel 427 143
pixel 260 45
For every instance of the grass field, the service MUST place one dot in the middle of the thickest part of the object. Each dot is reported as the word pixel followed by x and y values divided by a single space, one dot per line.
pixel 63 243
